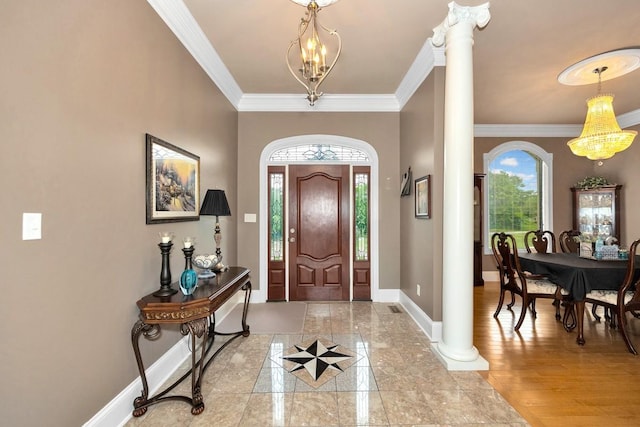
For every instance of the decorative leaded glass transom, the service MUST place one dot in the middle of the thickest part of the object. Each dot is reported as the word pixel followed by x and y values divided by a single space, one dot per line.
pixel 319 152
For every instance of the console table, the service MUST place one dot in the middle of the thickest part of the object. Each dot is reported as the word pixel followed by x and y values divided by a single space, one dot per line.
pixel 196 316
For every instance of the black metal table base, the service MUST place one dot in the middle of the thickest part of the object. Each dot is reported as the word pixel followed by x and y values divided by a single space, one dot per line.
pixel 203 329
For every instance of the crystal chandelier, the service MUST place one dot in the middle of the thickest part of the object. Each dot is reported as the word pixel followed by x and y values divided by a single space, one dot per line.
pixel 601 136
pixel 312 55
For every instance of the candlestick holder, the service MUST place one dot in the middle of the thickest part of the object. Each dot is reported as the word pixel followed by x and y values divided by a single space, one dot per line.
pixel 165 273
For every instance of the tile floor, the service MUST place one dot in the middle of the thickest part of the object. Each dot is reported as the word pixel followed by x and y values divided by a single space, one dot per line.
pixel 379 371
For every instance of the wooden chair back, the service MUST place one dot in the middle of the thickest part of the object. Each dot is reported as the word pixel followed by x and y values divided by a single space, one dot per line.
pixel 568 242
pixel 505 252
pixel 542 241
pixel 630 284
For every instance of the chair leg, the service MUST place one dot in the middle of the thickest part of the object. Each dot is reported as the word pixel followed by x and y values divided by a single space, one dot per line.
pixel 513 301
pixel 594 307
pixel 612 316
pixel 533 309
pixel 556 304
pixel 569 320
pixel 622 321
pixel 500 301
pixel 523 312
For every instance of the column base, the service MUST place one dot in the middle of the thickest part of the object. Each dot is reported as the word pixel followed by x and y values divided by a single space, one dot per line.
pixel 477 364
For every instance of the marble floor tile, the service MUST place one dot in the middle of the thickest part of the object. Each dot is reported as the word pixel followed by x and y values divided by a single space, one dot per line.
pixel 268 409
pixel 407 407
pixel 361 408
pixel 386 375
pixel 315 409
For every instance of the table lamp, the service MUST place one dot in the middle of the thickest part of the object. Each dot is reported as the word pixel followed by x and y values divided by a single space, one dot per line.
pixel 215 203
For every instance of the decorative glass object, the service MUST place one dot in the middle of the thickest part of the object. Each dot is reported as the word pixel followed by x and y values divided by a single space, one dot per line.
pixel 206 263
pixel 188 278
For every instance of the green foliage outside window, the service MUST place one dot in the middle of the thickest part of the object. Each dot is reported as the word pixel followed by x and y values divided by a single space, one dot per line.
pixel 361 216
pixel 512 208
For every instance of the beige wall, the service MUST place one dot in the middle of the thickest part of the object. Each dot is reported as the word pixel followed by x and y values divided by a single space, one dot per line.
pixel 380 130
pixel 81 82
pixel 421 148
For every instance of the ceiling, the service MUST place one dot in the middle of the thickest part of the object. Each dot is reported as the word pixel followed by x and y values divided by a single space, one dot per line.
pixel 517 57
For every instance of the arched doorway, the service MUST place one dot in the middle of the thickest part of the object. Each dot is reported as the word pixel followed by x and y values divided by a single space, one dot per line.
pixel 290 151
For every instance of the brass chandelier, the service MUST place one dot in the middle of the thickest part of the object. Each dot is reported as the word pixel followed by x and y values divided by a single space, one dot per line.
pixel 601 136
pixel 311 54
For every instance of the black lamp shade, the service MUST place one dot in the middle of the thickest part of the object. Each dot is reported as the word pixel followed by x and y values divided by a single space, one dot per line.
pixel 215 203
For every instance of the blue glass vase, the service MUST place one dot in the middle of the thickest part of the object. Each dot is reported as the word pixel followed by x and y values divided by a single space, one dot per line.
pixel 188 281
pixel 188 278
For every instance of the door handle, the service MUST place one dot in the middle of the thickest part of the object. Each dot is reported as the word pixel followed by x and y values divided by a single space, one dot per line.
pixel 292 239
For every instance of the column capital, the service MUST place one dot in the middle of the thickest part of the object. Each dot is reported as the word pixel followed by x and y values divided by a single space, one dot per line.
pixel 475 15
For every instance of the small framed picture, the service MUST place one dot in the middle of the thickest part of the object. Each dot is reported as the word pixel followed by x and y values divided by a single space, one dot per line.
pixel 423 197
pixel 173 183
pixel 405 185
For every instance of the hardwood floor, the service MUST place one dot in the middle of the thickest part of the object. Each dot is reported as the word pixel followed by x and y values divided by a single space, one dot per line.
pixel 546 376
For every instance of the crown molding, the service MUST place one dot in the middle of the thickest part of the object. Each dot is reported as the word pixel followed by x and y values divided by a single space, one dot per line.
pixel 544 131
pixel 632 118
pixel 180 20
pixel 328 103
pixel 428 57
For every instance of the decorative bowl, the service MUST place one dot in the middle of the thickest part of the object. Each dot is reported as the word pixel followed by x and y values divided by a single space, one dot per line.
pixel 206 262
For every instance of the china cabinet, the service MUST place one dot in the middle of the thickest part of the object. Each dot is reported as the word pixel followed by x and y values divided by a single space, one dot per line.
pixel 596 211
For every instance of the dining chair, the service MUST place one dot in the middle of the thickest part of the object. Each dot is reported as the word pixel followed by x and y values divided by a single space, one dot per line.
pixel 542 241
pixel 568 243
pixel 626 299
pixel 514 280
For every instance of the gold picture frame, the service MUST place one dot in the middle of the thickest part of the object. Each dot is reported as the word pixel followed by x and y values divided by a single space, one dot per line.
pixel 173 183
pixel 423 197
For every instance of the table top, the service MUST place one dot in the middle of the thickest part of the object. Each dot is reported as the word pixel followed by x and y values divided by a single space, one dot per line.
pixel 577 275
pixel 208 297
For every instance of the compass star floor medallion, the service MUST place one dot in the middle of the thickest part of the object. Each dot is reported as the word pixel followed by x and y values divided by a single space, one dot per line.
pixel 317 361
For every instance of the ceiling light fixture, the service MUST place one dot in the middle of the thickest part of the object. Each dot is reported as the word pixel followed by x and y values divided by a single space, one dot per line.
pixel 312 55
pixel 601 135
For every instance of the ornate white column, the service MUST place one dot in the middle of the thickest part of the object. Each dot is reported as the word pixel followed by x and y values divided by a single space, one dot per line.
pixel 456 348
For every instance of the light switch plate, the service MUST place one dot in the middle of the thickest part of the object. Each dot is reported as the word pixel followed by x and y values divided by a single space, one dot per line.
pixel 31 226
pixel 249 217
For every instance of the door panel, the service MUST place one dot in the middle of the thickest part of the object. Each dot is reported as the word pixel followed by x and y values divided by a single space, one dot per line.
pixel 276 286
pixel 319 232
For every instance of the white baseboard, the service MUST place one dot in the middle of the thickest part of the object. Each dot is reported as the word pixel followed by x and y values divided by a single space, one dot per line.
pixel 387 295
pixel 119 410
pixel 432 329
pixel 491 276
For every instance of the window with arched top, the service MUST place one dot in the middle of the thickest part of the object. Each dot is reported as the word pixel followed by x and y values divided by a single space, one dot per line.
pixel 518 193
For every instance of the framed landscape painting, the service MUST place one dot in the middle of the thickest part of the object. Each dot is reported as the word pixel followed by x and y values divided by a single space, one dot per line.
pixel 173 182
pixel 423 197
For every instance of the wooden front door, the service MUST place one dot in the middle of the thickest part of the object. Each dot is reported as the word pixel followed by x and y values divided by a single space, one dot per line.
pixel 319 232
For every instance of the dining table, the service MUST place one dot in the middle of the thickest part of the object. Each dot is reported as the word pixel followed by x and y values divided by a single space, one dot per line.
pixel 577 275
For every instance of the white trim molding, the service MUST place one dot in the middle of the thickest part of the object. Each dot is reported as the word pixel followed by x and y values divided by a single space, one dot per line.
pixel 330 103
pixel 431 328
